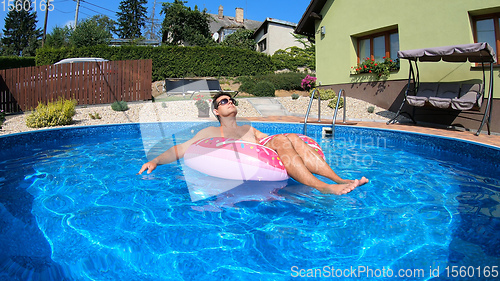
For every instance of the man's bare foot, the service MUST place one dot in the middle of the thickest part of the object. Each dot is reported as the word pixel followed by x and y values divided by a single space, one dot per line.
pixel 344 188
pixel 362 181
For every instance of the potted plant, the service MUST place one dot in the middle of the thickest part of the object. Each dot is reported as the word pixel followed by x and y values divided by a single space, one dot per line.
pixel 203 107
pixel 380 69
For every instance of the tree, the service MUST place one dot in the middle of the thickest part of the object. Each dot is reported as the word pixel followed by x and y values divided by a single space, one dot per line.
pixel 91 31
pixel 21 37
pixel 131 18
pixel 294 57
pixel 242 38
pixel 184 26
pixel 1 44
pixel 106 23
pixel 59 37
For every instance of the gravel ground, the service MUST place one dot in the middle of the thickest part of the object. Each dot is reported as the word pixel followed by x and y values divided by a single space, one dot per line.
pixel 185 110
pixel 356 110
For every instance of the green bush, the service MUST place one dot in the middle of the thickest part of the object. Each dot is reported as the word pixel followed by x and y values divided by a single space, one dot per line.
pixel 16 62
pixel 56 113
pixel 119 106
pixel 371 109
pixel 294 57
pixel 173 61
pixel 295 96
pixel 333 102
pixel 263 89
pixel 287 81
pixel 325 94
pixel 94 115
pixel 247 83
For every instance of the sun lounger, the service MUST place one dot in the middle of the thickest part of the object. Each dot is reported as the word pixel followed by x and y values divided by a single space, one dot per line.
pixel 470 98
pixel 446 92
pixel 174 86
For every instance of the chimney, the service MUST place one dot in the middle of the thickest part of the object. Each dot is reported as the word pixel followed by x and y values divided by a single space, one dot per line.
pixel 221 12
pixel 239 15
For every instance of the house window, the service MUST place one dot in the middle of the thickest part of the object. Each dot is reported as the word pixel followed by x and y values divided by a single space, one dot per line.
pixel 262 45
pixel 379 45
pixel 486 29
pixel 227 32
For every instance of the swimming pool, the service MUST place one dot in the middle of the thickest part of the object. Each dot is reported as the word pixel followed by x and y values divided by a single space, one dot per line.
pixel 72 207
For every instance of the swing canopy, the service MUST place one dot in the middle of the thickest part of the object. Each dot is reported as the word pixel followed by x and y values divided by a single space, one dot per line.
pixel 449 95
pixel 477 52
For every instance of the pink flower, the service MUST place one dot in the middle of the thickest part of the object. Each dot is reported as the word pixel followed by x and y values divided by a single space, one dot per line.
pixel 308 82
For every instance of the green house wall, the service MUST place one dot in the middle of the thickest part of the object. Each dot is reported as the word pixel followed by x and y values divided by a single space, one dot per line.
pixel 420 24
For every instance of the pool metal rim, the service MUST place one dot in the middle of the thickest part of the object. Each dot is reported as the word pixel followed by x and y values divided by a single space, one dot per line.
pixel 265 122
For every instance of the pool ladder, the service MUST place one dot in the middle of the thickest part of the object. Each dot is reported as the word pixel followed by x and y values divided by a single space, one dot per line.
pixel 326 130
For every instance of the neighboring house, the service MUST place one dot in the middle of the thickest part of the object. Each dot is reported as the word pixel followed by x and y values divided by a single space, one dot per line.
pixel 346 31
pixel 274 35
pixel 222 26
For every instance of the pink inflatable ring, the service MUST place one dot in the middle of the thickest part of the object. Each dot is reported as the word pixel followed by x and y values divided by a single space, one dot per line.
pixel 239 160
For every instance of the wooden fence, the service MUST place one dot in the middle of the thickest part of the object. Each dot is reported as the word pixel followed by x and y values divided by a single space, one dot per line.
pixel 88 83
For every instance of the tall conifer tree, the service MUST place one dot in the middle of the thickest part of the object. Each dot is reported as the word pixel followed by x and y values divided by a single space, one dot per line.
pixel 21 37
pixel 131 18
pixel 185 26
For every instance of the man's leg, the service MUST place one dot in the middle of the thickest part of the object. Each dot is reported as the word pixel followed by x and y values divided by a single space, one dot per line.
pixel 314 162
pixel 297 169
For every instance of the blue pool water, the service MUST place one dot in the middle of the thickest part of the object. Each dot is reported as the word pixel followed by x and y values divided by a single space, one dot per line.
pixel 73 208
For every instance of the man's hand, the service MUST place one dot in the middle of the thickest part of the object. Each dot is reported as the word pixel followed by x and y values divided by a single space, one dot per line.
pixel 150 166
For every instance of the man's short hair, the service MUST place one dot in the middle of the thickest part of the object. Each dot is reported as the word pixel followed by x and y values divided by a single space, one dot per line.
pixel 214 101
pixel 218 95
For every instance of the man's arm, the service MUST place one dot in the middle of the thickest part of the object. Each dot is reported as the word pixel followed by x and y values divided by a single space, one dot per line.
pixel 258 134
pixel 174 153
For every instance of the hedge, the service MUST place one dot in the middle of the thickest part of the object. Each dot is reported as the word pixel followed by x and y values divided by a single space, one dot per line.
pixel 173 61
pixel 16 62
pixel 282 81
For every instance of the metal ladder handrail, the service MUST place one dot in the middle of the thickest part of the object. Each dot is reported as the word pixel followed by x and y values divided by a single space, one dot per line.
pixel 341 93
pixel 304 131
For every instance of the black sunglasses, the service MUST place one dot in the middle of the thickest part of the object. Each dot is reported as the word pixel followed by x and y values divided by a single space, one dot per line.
pixel 225 101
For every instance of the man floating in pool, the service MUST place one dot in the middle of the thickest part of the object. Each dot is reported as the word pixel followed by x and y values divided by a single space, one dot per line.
pixel 300 160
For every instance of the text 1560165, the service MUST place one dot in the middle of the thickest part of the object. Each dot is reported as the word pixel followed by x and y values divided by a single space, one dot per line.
pixel 27 5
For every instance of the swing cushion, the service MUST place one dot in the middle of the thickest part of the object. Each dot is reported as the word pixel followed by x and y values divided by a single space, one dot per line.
pixel 471 97
pixel 446 92
pixel 425 91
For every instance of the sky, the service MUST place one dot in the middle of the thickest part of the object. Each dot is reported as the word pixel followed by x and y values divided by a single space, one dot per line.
pixel 63 12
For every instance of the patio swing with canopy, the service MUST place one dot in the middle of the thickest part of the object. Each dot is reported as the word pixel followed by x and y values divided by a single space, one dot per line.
pixel 449 95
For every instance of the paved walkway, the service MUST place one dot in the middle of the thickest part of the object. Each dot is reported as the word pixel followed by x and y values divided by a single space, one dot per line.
pixel 268 107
